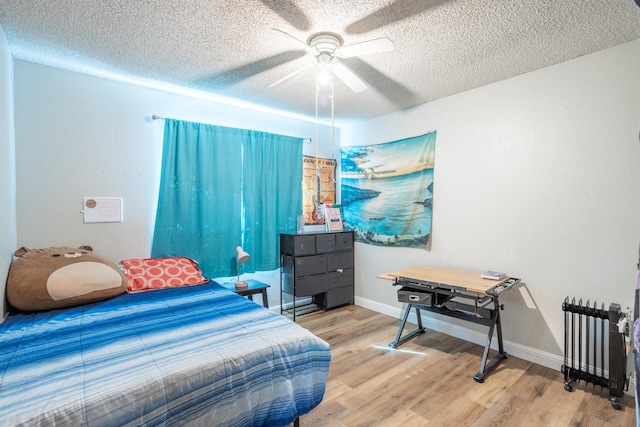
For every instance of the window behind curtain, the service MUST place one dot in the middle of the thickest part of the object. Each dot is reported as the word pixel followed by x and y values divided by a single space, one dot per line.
pixel 222 187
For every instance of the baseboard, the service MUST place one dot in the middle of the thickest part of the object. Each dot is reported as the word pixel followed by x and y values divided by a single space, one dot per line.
pixel 546 359
pixel 543 358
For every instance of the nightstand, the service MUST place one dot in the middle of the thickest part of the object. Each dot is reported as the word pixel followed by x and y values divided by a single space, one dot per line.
pixel 254 287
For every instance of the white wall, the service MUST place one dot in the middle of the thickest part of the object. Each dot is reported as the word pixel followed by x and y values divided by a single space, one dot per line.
pixel 7 168
pixel 537 176
pixel 78 135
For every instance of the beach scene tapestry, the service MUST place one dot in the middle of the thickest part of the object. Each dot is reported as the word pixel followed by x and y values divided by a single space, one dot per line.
pixel 387 191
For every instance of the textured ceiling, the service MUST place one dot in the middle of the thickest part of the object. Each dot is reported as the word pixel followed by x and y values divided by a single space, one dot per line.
pixel 228 48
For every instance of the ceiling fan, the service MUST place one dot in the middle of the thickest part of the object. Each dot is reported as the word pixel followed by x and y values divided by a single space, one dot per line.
pixel 327 48
pixel 330 49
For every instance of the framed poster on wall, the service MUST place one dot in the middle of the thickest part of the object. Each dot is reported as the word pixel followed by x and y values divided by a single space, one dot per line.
pixel 318 188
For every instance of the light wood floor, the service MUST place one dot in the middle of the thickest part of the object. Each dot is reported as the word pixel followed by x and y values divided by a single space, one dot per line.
pixel 429 381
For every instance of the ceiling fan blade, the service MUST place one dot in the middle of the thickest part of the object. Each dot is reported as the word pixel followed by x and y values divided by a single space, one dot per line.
pixel 288 76
pixel 309 48
pixel 237 74
pixel 349 78
pixel 289 12
pixel 396 11
pixel 382 44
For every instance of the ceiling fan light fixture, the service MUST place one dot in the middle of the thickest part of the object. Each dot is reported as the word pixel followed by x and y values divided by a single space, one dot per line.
pixel 324 76
pixel 325 42
pixel 324 69
pixel 327 48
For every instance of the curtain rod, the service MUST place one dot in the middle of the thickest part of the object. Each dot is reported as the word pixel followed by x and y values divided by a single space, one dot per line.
pixel 157 117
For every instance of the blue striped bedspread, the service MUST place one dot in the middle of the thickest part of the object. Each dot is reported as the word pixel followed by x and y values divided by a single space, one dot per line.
pixel 198 355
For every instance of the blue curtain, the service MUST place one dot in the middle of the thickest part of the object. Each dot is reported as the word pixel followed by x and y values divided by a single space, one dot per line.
pixel 222 187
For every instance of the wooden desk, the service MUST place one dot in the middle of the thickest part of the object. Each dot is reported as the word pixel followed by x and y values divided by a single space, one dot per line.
pixel 441 290
pixel 467 280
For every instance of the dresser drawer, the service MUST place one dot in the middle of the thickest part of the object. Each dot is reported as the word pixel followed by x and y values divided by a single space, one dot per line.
pixel 325 243
pixel 335 297
pixel 297 244
pixel 338 260
pixel 304 266
pixel 304 286
pixel 344 241
pixel 340 278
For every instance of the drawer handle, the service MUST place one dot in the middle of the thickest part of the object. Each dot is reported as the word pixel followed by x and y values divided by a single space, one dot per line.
pixel 340 270
pixel 414 298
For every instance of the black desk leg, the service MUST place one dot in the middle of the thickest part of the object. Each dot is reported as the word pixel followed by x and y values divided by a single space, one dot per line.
pixel 484 366
pixel 418 331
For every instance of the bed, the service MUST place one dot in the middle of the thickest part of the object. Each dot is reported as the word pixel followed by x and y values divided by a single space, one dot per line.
pixel 196 355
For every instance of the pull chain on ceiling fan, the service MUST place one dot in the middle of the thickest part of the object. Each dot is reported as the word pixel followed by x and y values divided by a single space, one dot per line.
pixel 327 49
pixel 318 199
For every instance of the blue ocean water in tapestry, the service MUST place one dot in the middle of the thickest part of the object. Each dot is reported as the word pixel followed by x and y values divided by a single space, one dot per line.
pixel 387 191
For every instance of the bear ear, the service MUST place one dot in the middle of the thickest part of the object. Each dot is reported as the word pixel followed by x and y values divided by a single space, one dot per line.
pixel 86 248
pixel 21 251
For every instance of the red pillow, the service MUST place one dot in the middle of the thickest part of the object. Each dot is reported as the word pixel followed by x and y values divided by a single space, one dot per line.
pixel 148 274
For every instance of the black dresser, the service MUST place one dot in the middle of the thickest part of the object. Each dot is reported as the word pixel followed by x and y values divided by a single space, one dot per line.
pixel 315 267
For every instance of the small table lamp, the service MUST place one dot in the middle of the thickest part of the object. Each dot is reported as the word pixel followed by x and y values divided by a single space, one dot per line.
pixel 241 259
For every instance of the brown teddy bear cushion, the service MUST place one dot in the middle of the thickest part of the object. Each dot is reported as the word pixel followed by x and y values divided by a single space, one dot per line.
pixel 58 277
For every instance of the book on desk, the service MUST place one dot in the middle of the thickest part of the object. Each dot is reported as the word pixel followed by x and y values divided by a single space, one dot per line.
pixel 494 275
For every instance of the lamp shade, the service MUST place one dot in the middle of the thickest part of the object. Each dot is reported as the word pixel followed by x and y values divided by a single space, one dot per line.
pixel 242 255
